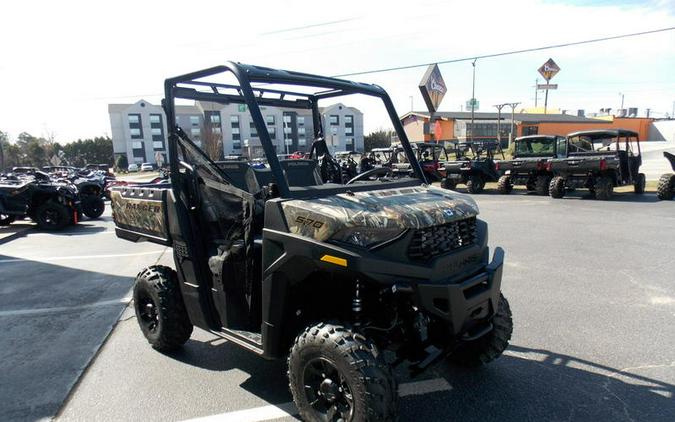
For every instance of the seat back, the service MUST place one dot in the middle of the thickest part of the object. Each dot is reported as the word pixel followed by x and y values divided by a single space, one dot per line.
pixel 301 172
pixel 240 174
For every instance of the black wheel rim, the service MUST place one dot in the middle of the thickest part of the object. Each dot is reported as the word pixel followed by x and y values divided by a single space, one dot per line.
pixel 149 315
pixel 52 217
pixel 327 391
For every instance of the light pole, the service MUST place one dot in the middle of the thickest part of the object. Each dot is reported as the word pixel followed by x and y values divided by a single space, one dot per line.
pixel 473 95
pixel 513 111
pixel 621 103
pixel 499 122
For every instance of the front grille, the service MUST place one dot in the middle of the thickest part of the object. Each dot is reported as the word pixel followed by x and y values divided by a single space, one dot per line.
pixel 433 241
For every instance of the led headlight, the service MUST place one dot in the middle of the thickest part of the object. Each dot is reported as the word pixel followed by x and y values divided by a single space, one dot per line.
pixel 366 236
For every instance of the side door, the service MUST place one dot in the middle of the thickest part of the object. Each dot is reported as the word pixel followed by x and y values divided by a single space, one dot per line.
pixel 213 240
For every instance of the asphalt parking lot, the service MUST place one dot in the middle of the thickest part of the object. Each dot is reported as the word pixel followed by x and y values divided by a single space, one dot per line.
pixel 590 284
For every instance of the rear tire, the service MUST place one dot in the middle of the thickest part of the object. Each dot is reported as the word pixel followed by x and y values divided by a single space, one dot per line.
pixel 93 207
pixel 666 187
pixel 475 184
pixel 504 185
pixel 556 188
pixel 160 310
pixel 6 220
pixel 604 188
pixel 490 346
pixel 640 183
pixel 542 185
pixel 333 369
pixel 52 216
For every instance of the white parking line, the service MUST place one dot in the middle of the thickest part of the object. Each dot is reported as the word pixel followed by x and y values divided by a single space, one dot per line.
pixel 276 411
pixel 17 312
pixel 64 258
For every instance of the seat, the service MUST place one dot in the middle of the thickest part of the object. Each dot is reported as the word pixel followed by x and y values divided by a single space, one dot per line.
pixel 240 174
pixel 301 172
pixel 264 176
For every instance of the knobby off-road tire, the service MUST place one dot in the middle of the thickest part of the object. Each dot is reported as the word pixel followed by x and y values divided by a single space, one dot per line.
pixel 93 207
pixel 52 216
pixel 604 188
pixel 6 220
pixel 354 380
pixel 666 186
pixel 504 185
pixel 160 310
pixel 542 185
pixel 490 346
pixel 640 184
pixel 475 184
pixel 448 184
pixel 557 187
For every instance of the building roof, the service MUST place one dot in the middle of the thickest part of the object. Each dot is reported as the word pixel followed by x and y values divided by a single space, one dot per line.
pixel 521 117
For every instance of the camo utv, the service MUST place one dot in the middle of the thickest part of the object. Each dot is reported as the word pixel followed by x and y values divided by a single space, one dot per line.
pixel 337 274
pixel 530 165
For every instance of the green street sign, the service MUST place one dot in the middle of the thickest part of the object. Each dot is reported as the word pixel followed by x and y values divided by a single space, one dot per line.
pixel 242 108
pixel 472 104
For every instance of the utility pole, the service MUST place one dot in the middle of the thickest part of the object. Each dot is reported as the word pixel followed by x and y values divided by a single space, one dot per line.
pixel 513 111
pixel 499 122
pixel 536 92
pixel 473 96
pixel 621 109
pixel 648 110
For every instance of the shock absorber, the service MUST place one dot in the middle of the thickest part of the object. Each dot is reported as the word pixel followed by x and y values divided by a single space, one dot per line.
pixel 357 306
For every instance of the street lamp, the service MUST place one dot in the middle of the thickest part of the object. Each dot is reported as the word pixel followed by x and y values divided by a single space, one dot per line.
pixel 513 110
pixel 473 95
pixel 499 122
pixel 621 102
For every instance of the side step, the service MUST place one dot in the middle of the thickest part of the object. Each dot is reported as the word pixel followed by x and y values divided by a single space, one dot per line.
pixel 246 339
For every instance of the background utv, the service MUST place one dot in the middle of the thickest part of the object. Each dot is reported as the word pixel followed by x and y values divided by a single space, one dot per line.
pixel 338 274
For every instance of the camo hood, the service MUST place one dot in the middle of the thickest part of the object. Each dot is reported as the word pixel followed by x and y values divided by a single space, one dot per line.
pixel 405 208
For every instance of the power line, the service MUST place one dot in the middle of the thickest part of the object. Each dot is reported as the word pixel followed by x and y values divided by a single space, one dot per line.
pixel 527 50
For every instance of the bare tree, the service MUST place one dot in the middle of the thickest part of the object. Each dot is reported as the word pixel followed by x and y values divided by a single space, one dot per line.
pixel 212 140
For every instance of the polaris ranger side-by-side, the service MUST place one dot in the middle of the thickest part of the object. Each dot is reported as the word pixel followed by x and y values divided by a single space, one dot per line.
pixel 530 163
pixel 337 274
pixel 599 160
pixel 474 165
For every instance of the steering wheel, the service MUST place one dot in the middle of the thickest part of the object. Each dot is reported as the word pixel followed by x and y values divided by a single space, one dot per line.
pixel 377 171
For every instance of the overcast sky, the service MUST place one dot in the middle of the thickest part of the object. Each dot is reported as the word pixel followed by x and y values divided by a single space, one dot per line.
pixel 64 61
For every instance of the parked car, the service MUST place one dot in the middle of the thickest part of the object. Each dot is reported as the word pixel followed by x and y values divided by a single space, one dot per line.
pixel 132 168
pixel 147 167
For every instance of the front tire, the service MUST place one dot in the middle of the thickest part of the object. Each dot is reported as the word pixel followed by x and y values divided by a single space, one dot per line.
pixel 93 207
pixel 337 374
pixel 475 184
pixel 160 310
pixel 640 184
pixel 666 187
pixel 504 185
pixel 542 185
pixel 491 346
pixel 557 187
pixel 52 216
pixel 448 184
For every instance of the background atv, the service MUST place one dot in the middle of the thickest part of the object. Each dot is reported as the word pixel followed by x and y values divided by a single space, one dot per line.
pixel 666 187
pixel 529 166
pixel 336 274
pixel 431 156
pixel 474 165
pixel 598 160
pixel 52 206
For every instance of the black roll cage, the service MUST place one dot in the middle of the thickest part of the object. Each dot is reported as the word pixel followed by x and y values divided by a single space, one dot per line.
pixel 183 87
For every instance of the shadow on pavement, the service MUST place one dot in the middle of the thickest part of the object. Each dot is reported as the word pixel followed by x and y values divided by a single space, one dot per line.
pixel 524 385
pixel 53 319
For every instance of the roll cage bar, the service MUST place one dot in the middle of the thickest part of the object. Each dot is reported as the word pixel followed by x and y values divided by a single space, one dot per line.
pixel 614 134
pixel 184 87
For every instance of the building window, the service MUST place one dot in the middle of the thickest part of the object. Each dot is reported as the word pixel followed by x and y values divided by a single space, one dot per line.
pixel 137 145
pixel 349 120
pixel 270 120
pixel 254 131
pixel 301 120
pixel 349 144
pixel 301 131
pixel 156 131
pixel 349 131
pixel 155 119
pixel 273 132
pixel 135 128
pixel 235 121
pixel 195 131
pixel 334 120
pixel 287 118
pixel 194 120
pixel 158 145
pixel 235 130
pixel 236 144
pixel 214 117
pixel 302 141
pixel 236 137
pixel 216 130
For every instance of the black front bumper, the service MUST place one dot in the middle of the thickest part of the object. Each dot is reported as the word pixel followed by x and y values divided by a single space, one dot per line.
pixel 468 304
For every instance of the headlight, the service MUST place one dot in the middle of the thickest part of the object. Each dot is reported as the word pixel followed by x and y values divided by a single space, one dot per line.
pixel 366 236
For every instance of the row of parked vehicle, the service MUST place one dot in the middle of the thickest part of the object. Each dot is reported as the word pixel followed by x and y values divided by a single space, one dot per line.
pixel 54 196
